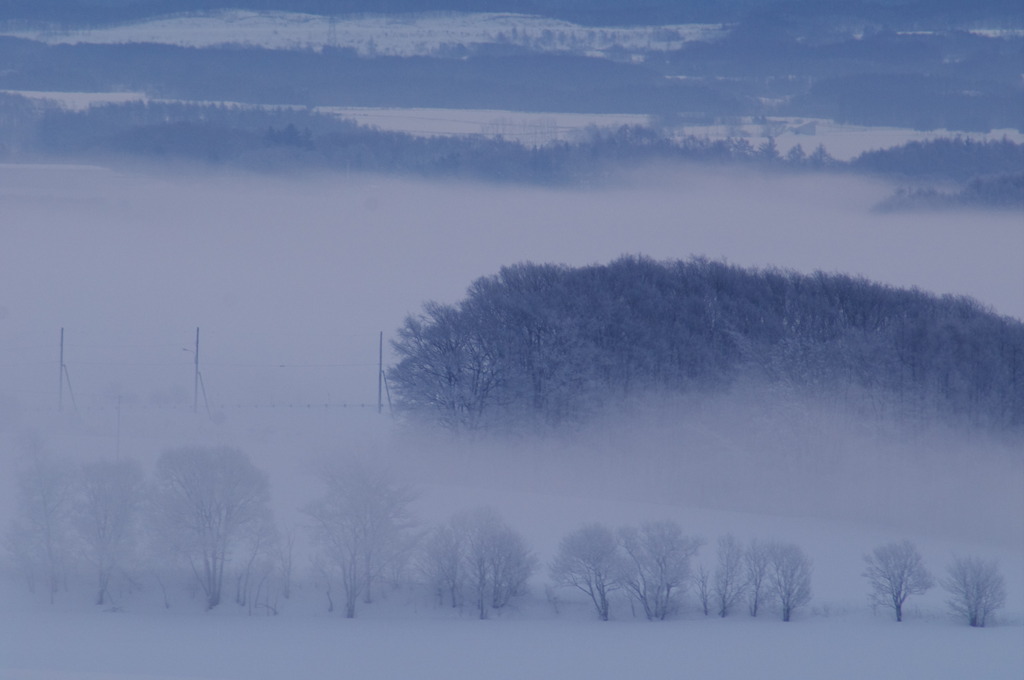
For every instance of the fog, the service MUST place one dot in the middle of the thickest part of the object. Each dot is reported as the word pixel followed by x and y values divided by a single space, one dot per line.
pixel 291 281
pixel 310 270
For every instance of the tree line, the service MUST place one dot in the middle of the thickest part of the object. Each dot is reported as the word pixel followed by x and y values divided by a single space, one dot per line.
pixel 538 345
pixel 205 518
pixel 282 139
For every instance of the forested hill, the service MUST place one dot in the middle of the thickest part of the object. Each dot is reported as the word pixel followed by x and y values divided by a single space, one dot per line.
pixel 548 344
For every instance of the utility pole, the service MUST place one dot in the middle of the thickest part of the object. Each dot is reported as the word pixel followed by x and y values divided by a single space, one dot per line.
pixel 64 378
pixel 117 445
pixel 380 374
pixel 60 392
pixel 195 382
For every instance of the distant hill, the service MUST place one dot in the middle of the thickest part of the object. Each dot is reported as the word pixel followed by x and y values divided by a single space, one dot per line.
pixel 606 12
pixel 594 12
pixel 551 345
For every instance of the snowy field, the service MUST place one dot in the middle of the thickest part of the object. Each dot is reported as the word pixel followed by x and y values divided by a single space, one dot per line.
pixel 383 35
pixel 291 280
pixel 547 634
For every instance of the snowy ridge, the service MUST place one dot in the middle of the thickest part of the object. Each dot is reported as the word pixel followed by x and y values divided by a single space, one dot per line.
pixel 384 35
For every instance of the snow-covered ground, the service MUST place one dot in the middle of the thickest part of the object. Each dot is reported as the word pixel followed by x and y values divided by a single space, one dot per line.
pixel 394 35
pixel 166 646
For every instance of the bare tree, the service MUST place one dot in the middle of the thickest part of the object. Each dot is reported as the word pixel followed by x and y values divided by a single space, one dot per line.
pixel 895 572
pixel 657 565
pixel 789 577
pixel 729 585
pixel 207 501
pixel 441 561
pixel 444 367
pixel 589 559
pixel 976 589
pixel 362 524
pixel 498 563
pixel 755 568
pixel 702 581
pixel 285 559
pixel 38 537
pixel 108 512
pixel 258 548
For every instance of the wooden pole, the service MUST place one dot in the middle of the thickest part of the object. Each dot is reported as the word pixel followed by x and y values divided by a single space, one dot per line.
pixel 195 381
pixel 60 391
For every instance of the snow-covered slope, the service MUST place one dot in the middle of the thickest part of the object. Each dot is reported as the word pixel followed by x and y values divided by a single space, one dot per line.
pixel 397 35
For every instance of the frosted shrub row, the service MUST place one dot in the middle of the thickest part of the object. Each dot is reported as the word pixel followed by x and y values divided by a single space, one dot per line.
pixel 207 513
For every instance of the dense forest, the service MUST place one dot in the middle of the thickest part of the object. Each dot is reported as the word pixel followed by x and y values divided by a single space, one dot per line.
pixel 547 345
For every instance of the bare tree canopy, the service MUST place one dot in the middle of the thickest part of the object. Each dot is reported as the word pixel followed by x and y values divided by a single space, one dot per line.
pixel 657 565
pixel 895 572
pixel 39 534
pixel 497 559
pixel 590 560
pixel 361 525
pixel 789 577
pixel 976 589
pixel 729 585
pixel 108 513
pixel 755 569
pixel 206 502
pixel 541 344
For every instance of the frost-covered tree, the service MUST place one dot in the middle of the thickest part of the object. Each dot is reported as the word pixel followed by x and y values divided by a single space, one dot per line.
pixel 361 525
pixel 728 586
pixel 206 504
pixel 445 368
pixel 789 577
pixel 976 589
pixel 38 538
pixel 538 345
pixel 107 518
pixel 895 572
pixel 755 572
pixel 441 561
pixel 702 582
pixel 657 565
pixel 590 560
pixel 497 561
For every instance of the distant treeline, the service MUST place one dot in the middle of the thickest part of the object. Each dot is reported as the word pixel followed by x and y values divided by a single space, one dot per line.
pixel 955 158
pixel 1005 191
pixel 296 138
pixel 290 138
pixel 538 345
